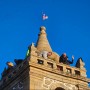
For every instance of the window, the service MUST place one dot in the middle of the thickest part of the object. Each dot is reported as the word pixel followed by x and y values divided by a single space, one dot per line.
pixel 77 72
pixel 40 61
pixel 60 68
pixel 50 64
pixel 68 70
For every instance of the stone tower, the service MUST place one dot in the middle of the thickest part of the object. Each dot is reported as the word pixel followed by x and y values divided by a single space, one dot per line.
pixel 41 70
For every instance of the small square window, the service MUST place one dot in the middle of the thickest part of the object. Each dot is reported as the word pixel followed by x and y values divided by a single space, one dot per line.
pixel 50 64
pixel 68 70
pixel 60 68
pixel 40 61
pixel 77 72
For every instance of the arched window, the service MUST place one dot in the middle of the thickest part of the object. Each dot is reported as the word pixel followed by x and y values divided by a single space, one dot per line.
pixel 59 88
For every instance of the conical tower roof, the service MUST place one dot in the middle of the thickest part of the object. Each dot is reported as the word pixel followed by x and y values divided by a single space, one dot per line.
pixel 42 42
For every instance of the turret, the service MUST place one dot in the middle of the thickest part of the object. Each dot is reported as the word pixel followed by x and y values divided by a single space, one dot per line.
pixel 42 42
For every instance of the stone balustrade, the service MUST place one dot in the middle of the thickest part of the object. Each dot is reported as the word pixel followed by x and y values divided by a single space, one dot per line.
pixel 62 68
pixel 58 68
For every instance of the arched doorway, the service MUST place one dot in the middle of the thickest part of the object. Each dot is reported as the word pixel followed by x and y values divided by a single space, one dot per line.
pixel 59 88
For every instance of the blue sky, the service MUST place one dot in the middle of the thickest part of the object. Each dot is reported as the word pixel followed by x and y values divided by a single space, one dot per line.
pixel 68 28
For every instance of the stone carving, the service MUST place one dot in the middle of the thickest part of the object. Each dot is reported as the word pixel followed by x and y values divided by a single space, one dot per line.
pixel 80 64
pixel 18 86
pixel 32 50
pixel 47 82
pixel 51 84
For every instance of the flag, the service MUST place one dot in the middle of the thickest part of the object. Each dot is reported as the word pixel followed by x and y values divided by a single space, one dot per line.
pixel 44 17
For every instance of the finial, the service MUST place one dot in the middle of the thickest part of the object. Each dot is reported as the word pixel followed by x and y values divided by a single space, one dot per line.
pixel 42 28
pixel 10 64
pixel 32 44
